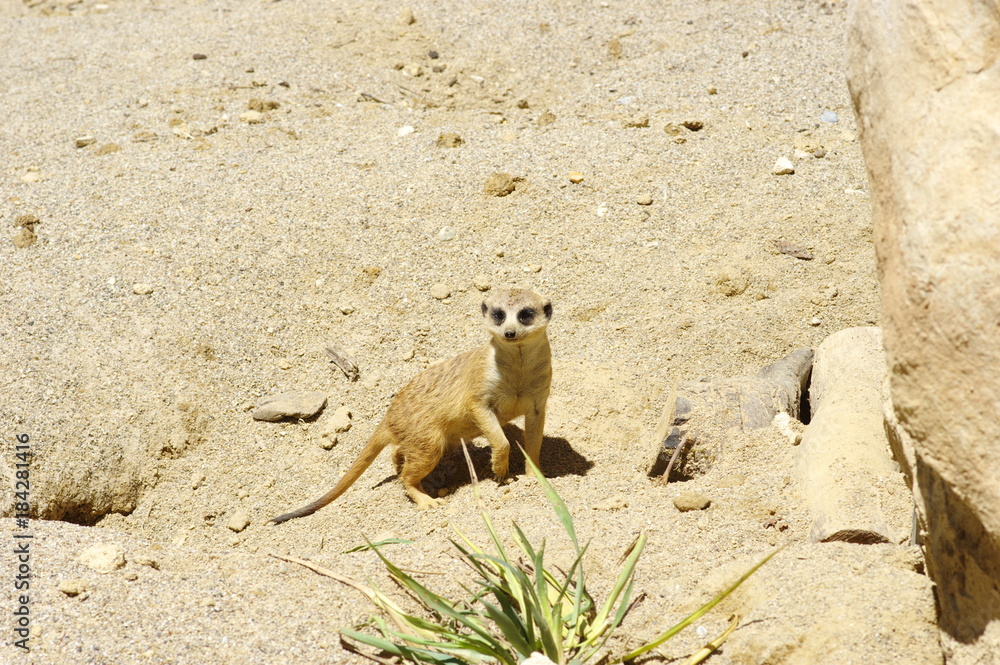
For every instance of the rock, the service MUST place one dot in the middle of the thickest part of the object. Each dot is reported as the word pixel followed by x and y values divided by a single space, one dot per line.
pixel 829 116
pixel 197 478
pixel 819 153
pixel 481 282
pixel 142 289
pixel 27 221
pixel 614 48
pixel 405 130
pixel 440 291
pixel 252 117
pixel 24 238
pixel 732 281
pixel 199 56
pixel 107 149
pixel 732 480
pixel 693 125
pixel 405 17
pixel 499 184
pixel 103 558
pixel 262 105
pixel 340 421
pixel 843 461
pixel 575 177
pixel 636 122
pixel 238 521
pixel 644 200
pixel 546 118
pixel 794 249
pixel 934 208
pixel 73 587
pixel 449 140
pixel 688 501
pixel 783 166
pixel 289 405
pixel 446 233
pixel 84 141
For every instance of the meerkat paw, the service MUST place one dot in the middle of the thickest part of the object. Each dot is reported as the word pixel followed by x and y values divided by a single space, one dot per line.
pixel 427 502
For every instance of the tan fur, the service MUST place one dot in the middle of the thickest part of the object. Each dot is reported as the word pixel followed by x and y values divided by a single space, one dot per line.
pixel 474 393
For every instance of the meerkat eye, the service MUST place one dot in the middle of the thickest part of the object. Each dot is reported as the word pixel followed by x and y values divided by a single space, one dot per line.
pixel 526 316
pixel 498 315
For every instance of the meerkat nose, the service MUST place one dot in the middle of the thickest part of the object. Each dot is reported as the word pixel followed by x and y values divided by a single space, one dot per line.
pixel 510 334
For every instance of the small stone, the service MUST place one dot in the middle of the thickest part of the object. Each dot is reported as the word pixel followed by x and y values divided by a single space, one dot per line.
pixel 238 521
pixel 131 577
pixel 413 70
pixel 31 176
pixel 546 118
pixel 107 149
pixel 24 238
pixel 819 153
pixel 644 200
pixel 146 560
pixel 27 221
pixel 533 267
pixel 481 282
pixel 693 125
pixel 636 122
pixel 712 90
pixel 289 405
pixel 347 310
pixel 499 184
pixel 340 421
pixel 449 140
pixel 446 233
pixel 405 17
pixel 829 116
pixel 197 478
pixel 199 56
pixel 262 105
pixel 616 502
pixel 142 289
pixel 499 252
pixel 73 587
pixel 433 55
pixel 252 117
pixel 103 558
pixel 783 166
pixel 84 141
pixel 440 292
pixel 814 321
pixel 442 491
pixel 575 177
pixel 614 48
pixel 405 130
pixel 688 501
pixel 794 249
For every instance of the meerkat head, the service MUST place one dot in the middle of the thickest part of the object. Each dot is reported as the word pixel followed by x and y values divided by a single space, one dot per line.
pixel 514 315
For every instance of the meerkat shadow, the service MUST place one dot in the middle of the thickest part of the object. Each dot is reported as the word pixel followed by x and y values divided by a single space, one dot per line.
pixel 558 459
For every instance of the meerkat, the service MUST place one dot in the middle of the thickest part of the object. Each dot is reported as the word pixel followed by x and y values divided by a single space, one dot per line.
pixel 474 393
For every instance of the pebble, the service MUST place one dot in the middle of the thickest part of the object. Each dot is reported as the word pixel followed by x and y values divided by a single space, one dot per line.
pixel 687 501
pixel 732 480
pixel 446 233
pixel 636 121
pixel 252 117
pixel 829 116
pixel 340 421
pixel 794 249
pixel 197 478
pixel 199 56
pixel 499 184
pixel 644 200
pixel 575 177
pixel 546 118
pixel 783 166
pixel 289 405
pixel 238 521
pixel 142 289
pixel 146 560
pixel 25 238
pixel 103 558
pixel 84 141
pixel 405 130
pixel 73 587
pixel 405 16
pixel 814 321
pixel 481 282
pixel 262 104
pixel 32 176
pixel 819 153
pixel 693 125
pixel 440 291
pixel 107 149
pixel 449 140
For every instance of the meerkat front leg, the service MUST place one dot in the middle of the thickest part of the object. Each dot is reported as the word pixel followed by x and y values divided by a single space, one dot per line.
pixel 488 424
pixel 534 430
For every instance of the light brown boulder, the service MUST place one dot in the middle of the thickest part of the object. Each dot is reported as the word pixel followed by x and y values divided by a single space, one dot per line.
pixel 925 81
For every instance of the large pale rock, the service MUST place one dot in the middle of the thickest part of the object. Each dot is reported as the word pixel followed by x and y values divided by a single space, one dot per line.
pixel 854 492
pixel 925 80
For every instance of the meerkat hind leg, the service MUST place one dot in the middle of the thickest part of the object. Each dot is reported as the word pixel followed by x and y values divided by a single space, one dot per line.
pixel 413 468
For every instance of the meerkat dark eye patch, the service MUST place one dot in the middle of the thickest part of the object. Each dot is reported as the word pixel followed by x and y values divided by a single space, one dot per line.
pixel 548 310
pixel 526 316
pixel 484 308
pixel 498 315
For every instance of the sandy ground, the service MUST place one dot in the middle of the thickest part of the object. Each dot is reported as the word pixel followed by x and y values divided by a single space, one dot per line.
pixel 191 259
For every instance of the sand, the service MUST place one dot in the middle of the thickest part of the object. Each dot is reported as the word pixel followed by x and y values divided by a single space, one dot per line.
pixel 225 188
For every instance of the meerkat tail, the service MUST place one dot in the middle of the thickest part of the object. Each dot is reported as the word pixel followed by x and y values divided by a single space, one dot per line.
pixel 380 439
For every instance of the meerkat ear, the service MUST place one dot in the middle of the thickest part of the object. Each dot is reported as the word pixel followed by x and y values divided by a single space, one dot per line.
pixel 547 308
pixel 484 308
